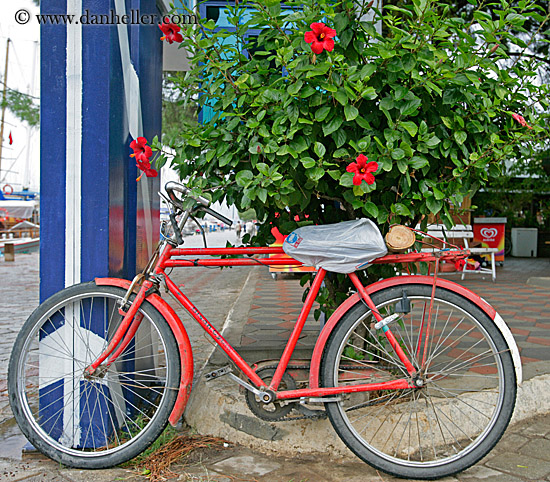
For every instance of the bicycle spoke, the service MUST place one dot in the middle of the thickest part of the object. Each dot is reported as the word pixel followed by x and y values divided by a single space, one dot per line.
pixel 459 387
pixel 107 412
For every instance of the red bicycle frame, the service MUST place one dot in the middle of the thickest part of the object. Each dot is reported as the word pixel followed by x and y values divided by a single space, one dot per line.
pixel 166 259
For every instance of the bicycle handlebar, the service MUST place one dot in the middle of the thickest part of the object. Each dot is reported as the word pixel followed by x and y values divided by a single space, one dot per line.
pixel 221 217
pixel 173 186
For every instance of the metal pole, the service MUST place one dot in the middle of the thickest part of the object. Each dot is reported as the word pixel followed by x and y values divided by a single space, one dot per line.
pixel 4 101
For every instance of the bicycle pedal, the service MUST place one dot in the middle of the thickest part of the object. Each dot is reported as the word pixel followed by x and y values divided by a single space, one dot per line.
pixel 220 372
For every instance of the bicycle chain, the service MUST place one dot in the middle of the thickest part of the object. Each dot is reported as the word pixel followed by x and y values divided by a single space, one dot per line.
pixel 322 415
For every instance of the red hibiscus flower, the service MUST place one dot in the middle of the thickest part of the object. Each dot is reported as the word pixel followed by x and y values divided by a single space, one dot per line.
pixel 362 170
pixel 139 146
pixel 521 120
pixel 320 37
pixel 171 32
pixel 144 164
pixel 142 153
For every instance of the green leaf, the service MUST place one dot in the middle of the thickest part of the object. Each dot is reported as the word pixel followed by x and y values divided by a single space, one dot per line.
pixel 418 162
pixel 401 209
pixel 321 114
pixel 369 93
pixel 350 112
pixel 410 105
pixel 501 91
pixel 460 137
pixel 262 195
pixel 434 205
pixel 315 173
pixel 402 165
pixel 447 121
pixel 438 194
pixel 293 89
pixel 398 153
pixel 308 162
pixel 263 168
pixel 341 96
pixel 334 174
pixel 339 137
pixel 387 103
pixel 346 179
pixel 515 19
pixel 332 125
pixel 411 127
pixel 341 21
pixel 423 129
pixel 371 209
pixel 433 87
pixel 367 70
pixel 433 141
pixel 244 178
pixel 293 112
pixel 341 153
pixel 319 149
pixel 299 144
pixel 362 122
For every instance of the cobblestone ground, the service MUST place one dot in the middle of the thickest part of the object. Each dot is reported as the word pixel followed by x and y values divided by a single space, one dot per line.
pixel 18 298
pixel 523 455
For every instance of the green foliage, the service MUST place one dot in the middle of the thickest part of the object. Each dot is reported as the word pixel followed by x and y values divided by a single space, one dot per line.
pixel 177 111
pixel 248 215
pixel 427 100
pixel 22 106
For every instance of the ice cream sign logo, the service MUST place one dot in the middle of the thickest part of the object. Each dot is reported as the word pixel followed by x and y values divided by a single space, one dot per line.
pixel 488 233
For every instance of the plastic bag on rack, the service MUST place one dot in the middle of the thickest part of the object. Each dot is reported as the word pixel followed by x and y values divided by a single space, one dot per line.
pixel 343 247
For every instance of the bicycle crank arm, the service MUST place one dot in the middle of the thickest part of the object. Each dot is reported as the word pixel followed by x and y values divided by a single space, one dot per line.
pixel 266 397
pixel 246 385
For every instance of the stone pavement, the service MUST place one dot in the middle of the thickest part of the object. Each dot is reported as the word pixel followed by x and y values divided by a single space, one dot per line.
pixel 257 325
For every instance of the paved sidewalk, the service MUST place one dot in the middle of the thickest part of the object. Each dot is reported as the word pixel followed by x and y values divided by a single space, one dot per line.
pixel 259 323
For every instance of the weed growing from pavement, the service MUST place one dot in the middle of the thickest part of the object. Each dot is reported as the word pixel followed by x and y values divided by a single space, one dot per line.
pixel 172 446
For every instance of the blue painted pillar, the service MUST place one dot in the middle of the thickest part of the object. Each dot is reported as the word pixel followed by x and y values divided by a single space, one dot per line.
pixel 100 88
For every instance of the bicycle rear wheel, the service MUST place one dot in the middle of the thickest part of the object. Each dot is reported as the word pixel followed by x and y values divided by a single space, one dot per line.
pixel 98 421
pixel 460 412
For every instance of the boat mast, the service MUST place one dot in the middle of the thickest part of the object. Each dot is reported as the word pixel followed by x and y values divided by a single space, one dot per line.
pixel 5 80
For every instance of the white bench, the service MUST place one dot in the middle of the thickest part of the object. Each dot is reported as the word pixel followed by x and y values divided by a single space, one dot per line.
pixel 464 232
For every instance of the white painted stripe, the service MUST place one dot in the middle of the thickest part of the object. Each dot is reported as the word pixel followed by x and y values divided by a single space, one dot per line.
pixel 130 77
pixel 73 148
pixel 73 228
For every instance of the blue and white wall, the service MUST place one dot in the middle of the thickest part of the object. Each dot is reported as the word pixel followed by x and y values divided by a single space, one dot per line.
pixel 100 88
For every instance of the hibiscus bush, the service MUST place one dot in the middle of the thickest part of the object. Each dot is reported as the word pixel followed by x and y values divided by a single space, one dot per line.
pixel 319 117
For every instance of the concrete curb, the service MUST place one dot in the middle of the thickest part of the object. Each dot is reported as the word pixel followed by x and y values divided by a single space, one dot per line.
pixel 218 408
pixel 228 416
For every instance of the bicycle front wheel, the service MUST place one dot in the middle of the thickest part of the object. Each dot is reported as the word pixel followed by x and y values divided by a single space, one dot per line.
pixel 468 383
pixel 110 417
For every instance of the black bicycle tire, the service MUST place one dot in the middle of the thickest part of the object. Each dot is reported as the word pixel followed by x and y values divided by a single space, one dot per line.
pixel 402 470
pixel 150 433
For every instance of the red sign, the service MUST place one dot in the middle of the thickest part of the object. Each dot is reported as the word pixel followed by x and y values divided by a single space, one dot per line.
pixel 490 233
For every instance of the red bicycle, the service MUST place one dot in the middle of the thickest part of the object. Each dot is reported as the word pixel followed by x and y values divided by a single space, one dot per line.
pixel 417 374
